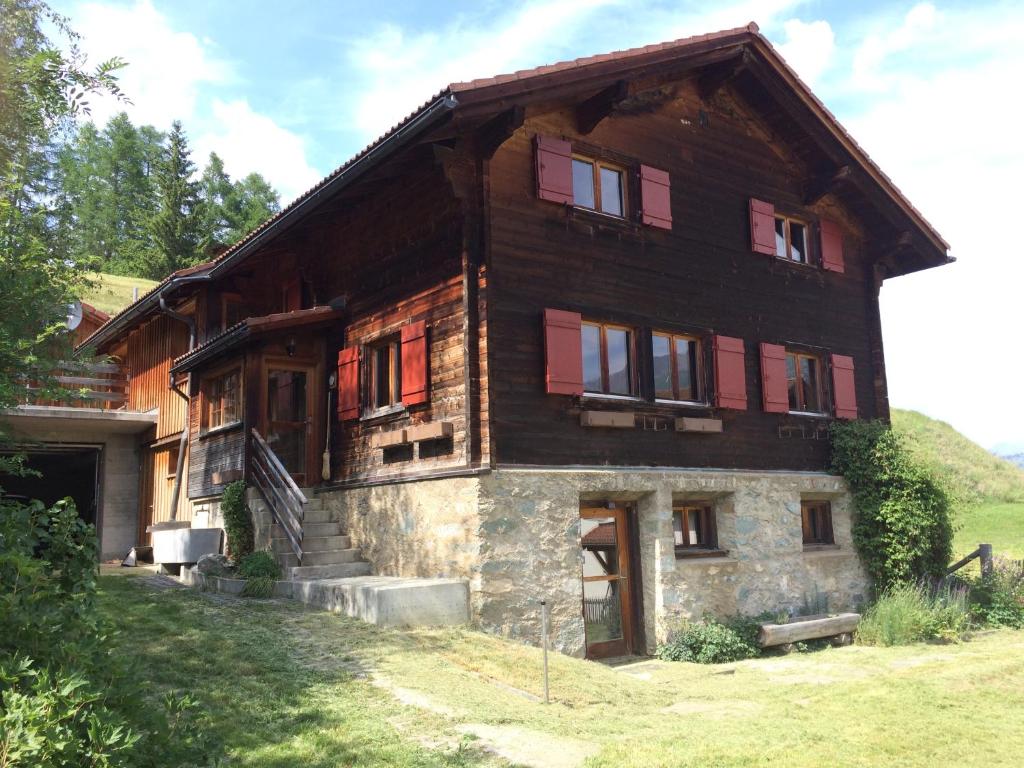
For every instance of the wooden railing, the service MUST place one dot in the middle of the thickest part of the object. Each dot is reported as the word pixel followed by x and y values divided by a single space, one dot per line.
pixel 284 498
pixel 86 385
pixel 982 553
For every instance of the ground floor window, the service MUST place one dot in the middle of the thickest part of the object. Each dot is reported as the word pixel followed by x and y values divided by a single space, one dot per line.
pixel 223 399
pixel 694 528
pixel 817 522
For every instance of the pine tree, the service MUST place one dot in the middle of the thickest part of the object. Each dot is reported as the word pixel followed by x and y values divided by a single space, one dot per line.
pixel 176 224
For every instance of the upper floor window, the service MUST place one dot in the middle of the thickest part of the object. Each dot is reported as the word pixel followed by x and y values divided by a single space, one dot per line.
pixel 816 520
pixel 791 240
pixel 608 366
pixel 232 310
pixel 385 372
pixel 803 379
pixel 677 368
pixel 223 399
pixel 598 186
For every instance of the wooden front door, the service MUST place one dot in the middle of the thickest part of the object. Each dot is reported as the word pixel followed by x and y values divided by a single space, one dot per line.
pixel 608 610
pixel 290 407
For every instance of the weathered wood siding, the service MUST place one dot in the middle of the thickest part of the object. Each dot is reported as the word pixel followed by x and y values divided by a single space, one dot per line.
pixel 150 351
pixel 701 277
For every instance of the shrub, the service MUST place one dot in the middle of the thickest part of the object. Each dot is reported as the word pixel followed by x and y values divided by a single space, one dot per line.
pixel 908 613
pixel 237 521
pixel 997 600
pixel 259 564
pixel 902 528
pixel 66 699
pixel 709 642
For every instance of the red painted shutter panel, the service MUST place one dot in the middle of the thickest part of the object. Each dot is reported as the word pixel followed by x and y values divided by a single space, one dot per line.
pixel 563 352
pixel 655 200
pixel 831 246
pixel 762 227
pixel 415 385
pixel 774 385
pixel 554 169
pixel 844 389
pixel 348 383
pixel 730 373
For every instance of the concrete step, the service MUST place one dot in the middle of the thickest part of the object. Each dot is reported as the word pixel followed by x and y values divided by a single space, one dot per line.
pixel 312 543
pixel 324 557
pixel 389 601
pixel 317 515
pixel 336 571
pixel 309 529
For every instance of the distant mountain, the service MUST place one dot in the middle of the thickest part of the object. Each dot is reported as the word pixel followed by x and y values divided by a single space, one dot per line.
pixel 1015 458
pixel 976 474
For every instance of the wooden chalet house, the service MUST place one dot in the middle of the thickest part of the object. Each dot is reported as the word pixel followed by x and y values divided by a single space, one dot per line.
pixel 601 312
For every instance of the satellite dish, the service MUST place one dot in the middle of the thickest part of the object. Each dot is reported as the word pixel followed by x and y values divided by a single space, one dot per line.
pixel 74 314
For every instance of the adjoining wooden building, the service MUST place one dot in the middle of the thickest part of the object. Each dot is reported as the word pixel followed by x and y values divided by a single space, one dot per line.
pixel 601 312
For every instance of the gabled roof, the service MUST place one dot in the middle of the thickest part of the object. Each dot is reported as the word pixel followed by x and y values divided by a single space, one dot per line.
pixel 497 93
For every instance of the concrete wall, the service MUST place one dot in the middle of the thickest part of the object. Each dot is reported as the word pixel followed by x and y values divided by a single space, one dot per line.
pixel 119 524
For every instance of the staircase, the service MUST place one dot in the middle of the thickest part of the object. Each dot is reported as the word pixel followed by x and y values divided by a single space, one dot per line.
pixel 326 552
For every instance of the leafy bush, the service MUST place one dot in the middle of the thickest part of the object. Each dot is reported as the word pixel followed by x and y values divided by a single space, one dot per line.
pixel 709 642
pixel 902 528
pixel 259 564
pixel 997 600
pixel 908 613
pixel 65 698
pixel 237 521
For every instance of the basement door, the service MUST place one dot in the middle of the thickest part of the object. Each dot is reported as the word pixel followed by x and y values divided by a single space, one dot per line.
pixel 608 611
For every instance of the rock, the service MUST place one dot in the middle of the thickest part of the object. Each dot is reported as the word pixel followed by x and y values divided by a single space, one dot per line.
pixel 214 565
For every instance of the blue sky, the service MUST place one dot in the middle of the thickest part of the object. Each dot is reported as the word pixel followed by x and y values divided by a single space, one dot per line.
pixel 292 90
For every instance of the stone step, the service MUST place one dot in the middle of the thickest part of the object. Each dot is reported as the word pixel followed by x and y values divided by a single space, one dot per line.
pixel 336 571
pixel 317 514
pixel 311 543
pixel 326 557
pixel 389 601
pixel 309 529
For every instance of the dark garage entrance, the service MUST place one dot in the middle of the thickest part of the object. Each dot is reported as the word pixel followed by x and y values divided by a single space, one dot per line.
pixel 64 471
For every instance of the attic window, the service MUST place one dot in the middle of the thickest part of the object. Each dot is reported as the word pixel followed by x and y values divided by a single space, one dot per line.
pixel 791 240
pixel 598 186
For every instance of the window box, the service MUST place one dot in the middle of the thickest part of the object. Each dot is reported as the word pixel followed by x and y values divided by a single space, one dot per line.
pixel 690 424
pixel 615 419
pixel 388 438
pixel 431 430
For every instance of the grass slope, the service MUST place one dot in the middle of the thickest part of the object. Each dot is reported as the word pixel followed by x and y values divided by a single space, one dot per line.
pixel 991 489
pixel 281 685
pixel 112 293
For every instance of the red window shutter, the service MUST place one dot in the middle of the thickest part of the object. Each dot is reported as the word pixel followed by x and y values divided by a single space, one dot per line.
pixel 563 352
pixel 774 385
pixel 291 295
pixel 730 373
pixel 554 169
pixel 415 383
pixel 655 200
pixel 348 383
pixel 844 390
pixel 831 246
pixel 762 227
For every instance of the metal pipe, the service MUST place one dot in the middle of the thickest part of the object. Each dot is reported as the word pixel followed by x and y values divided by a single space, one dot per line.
pixel 544 642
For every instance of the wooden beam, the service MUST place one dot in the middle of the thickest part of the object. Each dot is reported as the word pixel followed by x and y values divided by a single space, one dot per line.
pixel 817 188
pixel 591 112
pixel 499 129
pixel 710 82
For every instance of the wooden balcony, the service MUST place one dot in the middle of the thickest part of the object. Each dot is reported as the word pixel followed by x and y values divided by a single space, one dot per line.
pixel 88 385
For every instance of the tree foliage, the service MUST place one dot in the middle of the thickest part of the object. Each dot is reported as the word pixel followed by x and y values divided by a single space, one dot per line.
pixel 902 528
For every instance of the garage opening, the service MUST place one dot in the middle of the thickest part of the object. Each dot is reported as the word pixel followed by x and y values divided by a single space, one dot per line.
pixel 63 471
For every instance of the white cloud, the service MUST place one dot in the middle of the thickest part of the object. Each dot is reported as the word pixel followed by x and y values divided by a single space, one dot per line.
pixel 871 55
pixel 249 142
pixel 174 75
pixel 808 48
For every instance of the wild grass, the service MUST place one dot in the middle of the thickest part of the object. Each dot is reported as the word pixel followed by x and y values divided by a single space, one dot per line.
pixel 995 523
pixel 908 613
pixel 282 686
pixel 112 293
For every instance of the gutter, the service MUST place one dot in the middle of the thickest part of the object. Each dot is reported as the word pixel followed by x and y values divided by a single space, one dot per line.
pixel 431 114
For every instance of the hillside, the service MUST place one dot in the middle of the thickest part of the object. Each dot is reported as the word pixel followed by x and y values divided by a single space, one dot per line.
pixel 112 293
pixel 972 471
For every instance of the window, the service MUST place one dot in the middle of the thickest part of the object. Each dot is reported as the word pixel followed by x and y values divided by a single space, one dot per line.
pixel 677 368
pixel 817 522
pixel 803 379
pixel 232 311
pixel 385 371
pixel 694 528
pixel 598 186
pixel 791 240
pixel 607 359
pixel 223 399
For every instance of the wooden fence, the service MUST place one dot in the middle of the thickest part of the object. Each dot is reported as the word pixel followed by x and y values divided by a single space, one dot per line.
pixel 82 385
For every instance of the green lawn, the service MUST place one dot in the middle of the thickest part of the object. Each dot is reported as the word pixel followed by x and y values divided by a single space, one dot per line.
pixel 1001 525
pixel 282 685
pixel 112 293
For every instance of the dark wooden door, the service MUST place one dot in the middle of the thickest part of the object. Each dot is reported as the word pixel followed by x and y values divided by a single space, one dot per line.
pixel 289 418
pixel 608 610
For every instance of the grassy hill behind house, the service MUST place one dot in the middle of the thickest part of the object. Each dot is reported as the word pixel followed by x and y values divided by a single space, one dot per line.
pixel 112 293
pixel 991 489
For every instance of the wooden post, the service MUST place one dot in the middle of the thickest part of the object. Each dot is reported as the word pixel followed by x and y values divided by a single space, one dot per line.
pixel 985 553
